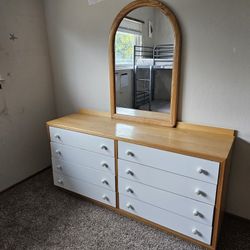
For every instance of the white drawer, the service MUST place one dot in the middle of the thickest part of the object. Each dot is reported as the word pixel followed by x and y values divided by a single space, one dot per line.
pixel 196 168
pixel 82 157
pixel 167 219
pixel 189 208
pixel 181 185
pixel 86 189
pixel 90 175
pixel 88 142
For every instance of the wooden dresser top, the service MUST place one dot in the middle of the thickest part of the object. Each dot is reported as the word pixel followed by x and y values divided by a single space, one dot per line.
pixel 194 140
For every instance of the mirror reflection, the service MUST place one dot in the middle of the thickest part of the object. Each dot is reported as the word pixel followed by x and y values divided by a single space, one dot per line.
pixel 144 52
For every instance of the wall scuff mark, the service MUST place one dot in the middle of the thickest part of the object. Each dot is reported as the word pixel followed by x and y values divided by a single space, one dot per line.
pixel 4 108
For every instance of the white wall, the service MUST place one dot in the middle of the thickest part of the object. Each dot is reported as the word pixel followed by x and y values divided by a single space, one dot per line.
pixel 163 29
pixel 215 86
pixel 26 100
pixel 144 14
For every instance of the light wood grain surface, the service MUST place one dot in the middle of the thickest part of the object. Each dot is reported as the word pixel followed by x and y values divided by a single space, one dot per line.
pixel 208 143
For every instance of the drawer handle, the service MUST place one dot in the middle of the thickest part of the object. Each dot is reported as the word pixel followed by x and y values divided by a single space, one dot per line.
pixel 104 181
pixel 200 192
pixel 58 137
pixel 58 152
pixel 202 171
pixel 196 232
pixel 105 165
pixel 130 172
pixel 104 147
pixel 129 206
pixel 59 167
pixel 60 181
pixel 105 197
pixel 129 190
pixel 129 153
pixel 197 213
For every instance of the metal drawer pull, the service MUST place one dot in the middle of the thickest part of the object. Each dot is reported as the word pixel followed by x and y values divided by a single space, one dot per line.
pixel 129 153
pixel 199 192
pixel 104 181
pixel 202 171
pixel 105 165
pixel 104 147
pixel 129 171
pixel 105 197
pixel 59 167
pixel 196 232
pixel 129 206
pixel 58 152
pixel 58 137
pixel 60 181
pixel 197 213
pixel 129 190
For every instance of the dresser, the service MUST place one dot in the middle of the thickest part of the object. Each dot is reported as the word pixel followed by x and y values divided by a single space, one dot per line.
pixel 173 179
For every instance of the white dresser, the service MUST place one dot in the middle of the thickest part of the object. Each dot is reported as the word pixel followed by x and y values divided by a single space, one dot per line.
pixel 170 189
pixel 84 164
pixel 180 190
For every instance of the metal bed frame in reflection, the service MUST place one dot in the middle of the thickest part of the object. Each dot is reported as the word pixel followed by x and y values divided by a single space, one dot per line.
pixel 146 61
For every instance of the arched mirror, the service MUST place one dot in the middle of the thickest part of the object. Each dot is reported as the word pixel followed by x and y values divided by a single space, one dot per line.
pixel 144 63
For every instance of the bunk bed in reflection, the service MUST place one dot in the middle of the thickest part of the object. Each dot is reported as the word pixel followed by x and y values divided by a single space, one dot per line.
pixel 146 61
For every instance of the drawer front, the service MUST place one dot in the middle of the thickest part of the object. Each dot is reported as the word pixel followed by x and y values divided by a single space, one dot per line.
pixel 181 185
pixel 82 157
pixel 167 219
pixel 84 188
pixel 189 208
pixel 88 142
pixel 90 175
pixel 196 168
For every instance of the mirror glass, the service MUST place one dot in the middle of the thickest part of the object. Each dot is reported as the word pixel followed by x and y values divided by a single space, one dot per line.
pixel 144 54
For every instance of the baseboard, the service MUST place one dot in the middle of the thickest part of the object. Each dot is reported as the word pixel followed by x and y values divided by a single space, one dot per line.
pixel 237 217
pixel 29 177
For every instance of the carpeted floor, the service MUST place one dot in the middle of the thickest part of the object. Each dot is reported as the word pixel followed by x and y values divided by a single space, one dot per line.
pixel 37 215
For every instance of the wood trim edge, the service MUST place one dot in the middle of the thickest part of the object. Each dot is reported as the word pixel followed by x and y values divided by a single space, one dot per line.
pixel 94 112
pixel 220 203
pixel 206 128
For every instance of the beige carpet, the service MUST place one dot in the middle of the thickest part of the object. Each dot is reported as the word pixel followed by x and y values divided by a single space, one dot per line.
pixel 37 215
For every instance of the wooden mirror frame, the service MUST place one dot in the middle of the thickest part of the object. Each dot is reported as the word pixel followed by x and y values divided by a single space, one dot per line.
pixel 157 118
